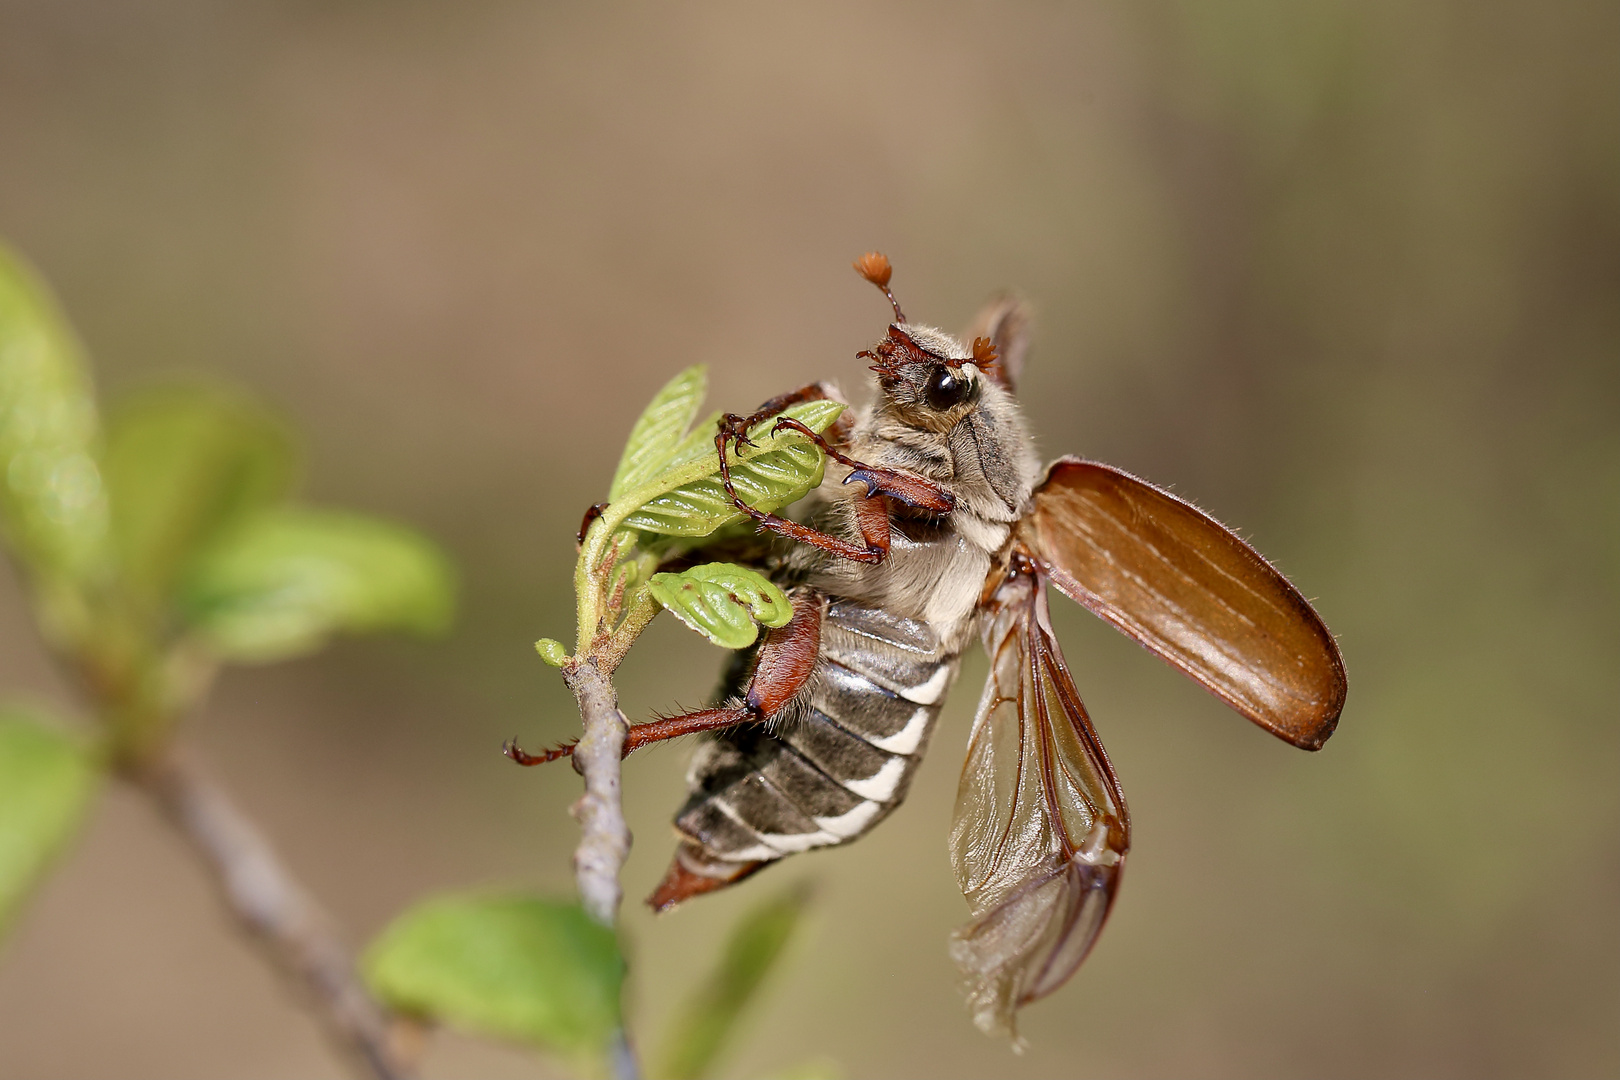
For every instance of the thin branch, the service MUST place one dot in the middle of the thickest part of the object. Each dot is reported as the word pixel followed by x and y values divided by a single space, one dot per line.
pixel 604 842
pixel 293 929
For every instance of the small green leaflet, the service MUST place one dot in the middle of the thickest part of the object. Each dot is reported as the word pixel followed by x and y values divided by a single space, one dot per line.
pixel 698 441
pixel 659 429
pixel 767 480
pixel 724 602
pixel 46 780
pixel 517 967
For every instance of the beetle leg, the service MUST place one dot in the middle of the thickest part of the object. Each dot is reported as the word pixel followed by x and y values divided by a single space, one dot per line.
pixel 871 513
pixel 740 425
pixel 872 519
pixel 909 488
pixel 781 668
pixel 639 735
pixel 692 723
pixel 734 429
pixel 862 553
pixel 590 519
pixel 512 750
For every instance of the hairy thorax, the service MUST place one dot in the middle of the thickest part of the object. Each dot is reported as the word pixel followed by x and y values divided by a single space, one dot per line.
pixel 936 565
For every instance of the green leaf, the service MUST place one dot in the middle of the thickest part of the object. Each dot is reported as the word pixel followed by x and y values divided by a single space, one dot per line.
pixel 698 442
pixel 724 602
pixel 46 780
pixel 706 1021
pixel 516 967
pixel 52 500
pixel 184 464
pixel 284 580
pixel 767 480
pixel 659 430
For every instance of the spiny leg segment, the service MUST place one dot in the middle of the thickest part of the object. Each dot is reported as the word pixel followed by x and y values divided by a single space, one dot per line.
pixel 781 668
pixel 872 519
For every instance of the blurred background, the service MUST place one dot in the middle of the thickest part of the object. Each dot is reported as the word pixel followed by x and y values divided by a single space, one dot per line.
pixel 1345 273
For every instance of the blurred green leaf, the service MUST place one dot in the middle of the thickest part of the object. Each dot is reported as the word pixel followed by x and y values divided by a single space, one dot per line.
pixel 659 430
pixel 724 602
pixel 51 495
pixel 766 480
pixel 46 780
pixel 539 971
pixel 704 1023
pixel 820 1068
pixel 284 580
pixel 182 465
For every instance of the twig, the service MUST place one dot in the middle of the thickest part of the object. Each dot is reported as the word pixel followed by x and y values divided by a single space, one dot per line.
pixel 604 842
pixel 293 929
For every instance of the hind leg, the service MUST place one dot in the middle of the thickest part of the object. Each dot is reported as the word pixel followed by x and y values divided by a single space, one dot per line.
pixel 783 665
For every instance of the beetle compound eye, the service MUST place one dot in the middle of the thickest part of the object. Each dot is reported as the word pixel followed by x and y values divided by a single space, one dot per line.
pixel 947 389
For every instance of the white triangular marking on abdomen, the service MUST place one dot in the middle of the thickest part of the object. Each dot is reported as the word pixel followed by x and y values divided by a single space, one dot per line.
pixel 757 853
pixel 763 851
pixel 794 842
pixel 906 739
pixel 931 691
pixel 852 822
pixel 881 784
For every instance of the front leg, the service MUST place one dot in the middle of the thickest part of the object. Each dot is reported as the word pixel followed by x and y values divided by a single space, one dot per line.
pixel 909 488
pixel 871 512
pixel 739 426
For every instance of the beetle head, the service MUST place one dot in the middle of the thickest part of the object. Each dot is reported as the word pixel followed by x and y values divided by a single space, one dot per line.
pixel 919 366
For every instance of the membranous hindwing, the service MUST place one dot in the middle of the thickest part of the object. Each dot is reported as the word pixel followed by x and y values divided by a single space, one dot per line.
pixel 1040 829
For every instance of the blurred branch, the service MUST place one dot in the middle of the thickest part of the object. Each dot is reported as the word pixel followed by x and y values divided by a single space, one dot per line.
pixel 293 929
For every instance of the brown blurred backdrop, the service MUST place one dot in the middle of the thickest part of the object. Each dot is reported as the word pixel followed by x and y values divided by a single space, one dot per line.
pixel 1346 273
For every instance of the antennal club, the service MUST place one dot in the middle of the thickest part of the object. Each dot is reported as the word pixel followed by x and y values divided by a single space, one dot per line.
pixel 874 267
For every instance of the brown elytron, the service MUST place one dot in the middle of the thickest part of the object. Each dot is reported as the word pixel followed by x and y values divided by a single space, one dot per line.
pixel 944 527
pixel 1179 582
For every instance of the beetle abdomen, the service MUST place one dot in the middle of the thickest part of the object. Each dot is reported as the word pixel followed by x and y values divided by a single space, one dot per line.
pixel 838 759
